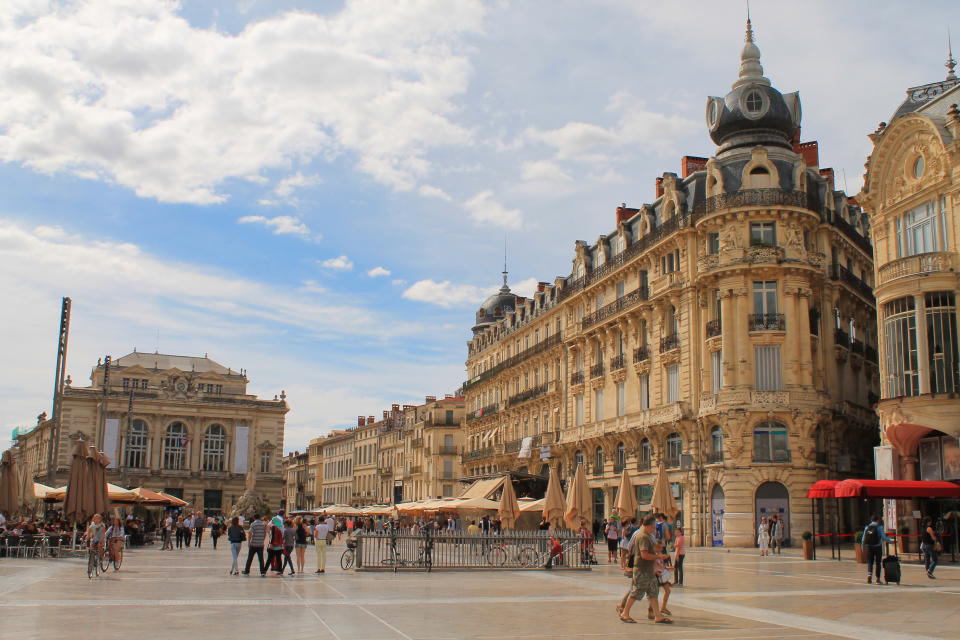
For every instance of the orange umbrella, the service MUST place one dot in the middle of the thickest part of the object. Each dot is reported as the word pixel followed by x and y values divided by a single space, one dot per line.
pixel 578 502
pixel 145 496
pixel 509 509
pixel 173 501
pixel 553 503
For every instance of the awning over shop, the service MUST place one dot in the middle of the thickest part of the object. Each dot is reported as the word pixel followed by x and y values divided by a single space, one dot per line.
pixel 896 489
pixel 483 488
pixel 822 489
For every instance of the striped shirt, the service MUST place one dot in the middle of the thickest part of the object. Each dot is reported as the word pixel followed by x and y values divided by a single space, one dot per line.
pixel 258 531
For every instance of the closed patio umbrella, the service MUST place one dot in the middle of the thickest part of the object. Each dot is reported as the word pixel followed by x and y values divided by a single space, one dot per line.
pixel 77 505
pixel 554 504
pixel 25 493
pixel 8 484
pixel 578 502
pixel 98 462
pixel 626 497
pixel 509 509
pixel 662 501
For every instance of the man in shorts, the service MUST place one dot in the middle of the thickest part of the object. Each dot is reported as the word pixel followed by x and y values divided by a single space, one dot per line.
pixel 644 581
pixel 612 532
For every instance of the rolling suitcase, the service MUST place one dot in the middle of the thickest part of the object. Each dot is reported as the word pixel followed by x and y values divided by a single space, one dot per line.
pixel 891 568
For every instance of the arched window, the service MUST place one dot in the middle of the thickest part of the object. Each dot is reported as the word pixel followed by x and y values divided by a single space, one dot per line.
pixel 621 459
pixel 770 443
pixel 598 461
pixel 643 464
pixel 135 455
pixel 674 447
pixel 716 445
pixel 214 447
pixel 577 459
pixel 175 446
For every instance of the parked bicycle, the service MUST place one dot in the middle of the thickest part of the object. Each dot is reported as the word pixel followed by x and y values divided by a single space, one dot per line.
pixel 94 558
pixel 347 559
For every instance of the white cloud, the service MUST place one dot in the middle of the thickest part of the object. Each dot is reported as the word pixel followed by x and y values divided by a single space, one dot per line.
pixel 377 272
pixel 130 93
pixel 429 191
pixel 543 170
pixel 280 224
pixel 340 263
pixel 312 286
pixel 286 186
pixel 484 209
pixel 446 294
pixel 398 282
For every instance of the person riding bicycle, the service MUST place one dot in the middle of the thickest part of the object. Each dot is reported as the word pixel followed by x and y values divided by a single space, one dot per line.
pixel 115 536
pixel 95 532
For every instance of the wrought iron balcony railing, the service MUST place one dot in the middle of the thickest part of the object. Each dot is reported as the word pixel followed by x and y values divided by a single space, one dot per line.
pixel 529 394
pixel 766 322
pixel 623 303
pixel 596 370
pixel 842 274
pixel 516 359
pixel 576 378
pixel 755 198
pixel 713 328
pixel 670 342
pixel 617 362
pixel 841 338
pixel 643 465
pixel 714 457
pixel 641 353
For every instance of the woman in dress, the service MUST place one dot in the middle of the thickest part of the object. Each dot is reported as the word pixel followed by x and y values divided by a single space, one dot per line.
pixel 302 533
pixel 763 536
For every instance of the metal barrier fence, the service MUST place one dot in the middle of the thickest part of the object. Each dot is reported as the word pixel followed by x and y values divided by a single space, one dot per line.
pixel 510 550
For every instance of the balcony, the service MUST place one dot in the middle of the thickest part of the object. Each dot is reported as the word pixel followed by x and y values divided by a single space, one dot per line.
pixel 514 360
pixel 713 329
pixel 596 370
pixel 513 446
pixel 766 322
pixel 576 378
pixel 643 465
pixel 447 475
pixel 445 450
pixel 485 452
pixel 715 457
pixel 672 462
pixel 667 281
pixel 856 346
pixel 385 471
pixel 923 263
pixel 870 353
pixel 641 354
pixel 488 410
pixel 416 443
pixel 623 303
pixel 529 394
pixel 617 362
pixel 842 274
pixel 778 456
pixel 669 343
pixel 852 234
pixel 596 470
pixel 415 470
pixel 754 198
pixel 841 338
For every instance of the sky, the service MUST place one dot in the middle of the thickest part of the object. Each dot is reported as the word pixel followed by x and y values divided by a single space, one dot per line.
pixel 320 192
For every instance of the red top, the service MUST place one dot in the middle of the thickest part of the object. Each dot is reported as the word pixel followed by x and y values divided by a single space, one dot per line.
pixel 822 489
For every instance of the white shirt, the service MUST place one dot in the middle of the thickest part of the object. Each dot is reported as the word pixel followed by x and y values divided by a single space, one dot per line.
pixel 321 530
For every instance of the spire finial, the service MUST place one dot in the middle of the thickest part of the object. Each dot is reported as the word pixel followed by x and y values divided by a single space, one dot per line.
pixel 749 37
pixel 951 63
pixel 505 287
pixel 751 72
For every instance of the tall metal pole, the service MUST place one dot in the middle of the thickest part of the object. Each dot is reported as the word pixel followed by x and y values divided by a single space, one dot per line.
pixel 106 398
pixel 53 447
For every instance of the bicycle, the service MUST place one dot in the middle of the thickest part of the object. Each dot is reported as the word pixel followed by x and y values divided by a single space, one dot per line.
pixel 347 559
pixel 93 560
pixel 113 553
pixel 424 555
pixel 496 555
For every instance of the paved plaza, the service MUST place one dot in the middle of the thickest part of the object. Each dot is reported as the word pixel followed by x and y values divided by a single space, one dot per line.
pixel 729 595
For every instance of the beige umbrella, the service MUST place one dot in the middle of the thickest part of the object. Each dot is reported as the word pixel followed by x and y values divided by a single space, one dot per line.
pixel 578 502
pixel 553 503
pixel 25 495
pixel 662 501
pixel 509 509
pixel 76 503
pixel 8 484
pixel 626 498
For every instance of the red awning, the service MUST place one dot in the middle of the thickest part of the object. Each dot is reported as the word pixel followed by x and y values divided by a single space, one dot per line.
pixel 822 489
pixel 896 489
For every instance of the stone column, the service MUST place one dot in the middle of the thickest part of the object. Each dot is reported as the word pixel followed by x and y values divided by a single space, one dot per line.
pixel 923 349
pixel 790 346
pixel 728 338
pixel 744 357
pixel 805 368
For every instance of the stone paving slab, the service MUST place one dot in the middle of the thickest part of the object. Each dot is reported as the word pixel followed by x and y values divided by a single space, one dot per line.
pixel 730 595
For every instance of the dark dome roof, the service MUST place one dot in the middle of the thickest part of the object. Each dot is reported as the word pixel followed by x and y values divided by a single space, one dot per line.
pixel 495 307
pixel 754 112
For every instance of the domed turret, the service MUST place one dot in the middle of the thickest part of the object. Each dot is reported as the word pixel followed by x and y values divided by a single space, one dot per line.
pixel 496 306
pixel 753 113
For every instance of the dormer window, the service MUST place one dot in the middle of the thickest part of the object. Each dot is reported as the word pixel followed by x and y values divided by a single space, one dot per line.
pixel 754 102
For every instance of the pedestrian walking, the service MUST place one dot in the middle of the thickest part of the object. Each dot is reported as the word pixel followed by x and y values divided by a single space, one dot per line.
pixel 763 536
pixel 236 536
pixel 168 533
pixel 931 547
pixel 644 580
pixel 199 524
pixel 187 530
pixel 776 533
pixel 180 529
pixel 664 577
pixel 216 530
pixel 873 538
pixel 258 533
pixel 612 533
pixel 301 531
pixel 289 544
pixel 680 551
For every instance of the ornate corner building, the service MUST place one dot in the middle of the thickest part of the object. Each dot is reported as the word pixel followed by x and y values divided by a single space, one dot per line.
pixel 726 331
pixel 180 424
pixel 912 192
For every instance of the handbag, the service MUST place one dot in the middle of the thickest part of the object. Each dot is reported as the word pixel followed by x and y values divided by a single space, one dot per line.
pixel 938 547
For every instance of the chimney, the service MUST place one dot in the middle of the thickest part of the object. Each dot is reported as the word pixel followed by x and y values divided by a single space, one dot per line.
pixel 447 396
pixel 431 399
pixel 659 187
pixel 385 414
pixel 690 164
pixel 409 406
pixel 541 286
pixel 828 174
pixel 395 408
pixel 625 213
pixel 360 421
pixel 370 420
pixel 810 152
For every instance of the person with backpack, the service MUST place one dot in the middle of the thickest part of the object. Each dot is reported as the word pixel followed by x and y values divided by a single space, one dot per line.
pixel 873 539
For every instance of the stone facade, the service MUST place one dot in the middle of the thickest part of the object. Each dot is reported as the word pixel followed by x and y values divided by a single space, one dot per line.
pixel 295 471
pixel 180 424
pixel 431 449
pixel 724 331
pixel 337 455
pixel 912 192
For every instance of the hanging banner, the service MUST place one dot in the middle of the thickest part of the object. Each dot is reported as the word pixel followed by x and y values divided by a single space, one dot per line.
pixel 525 447
pixel 111 437
pixel 240 450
